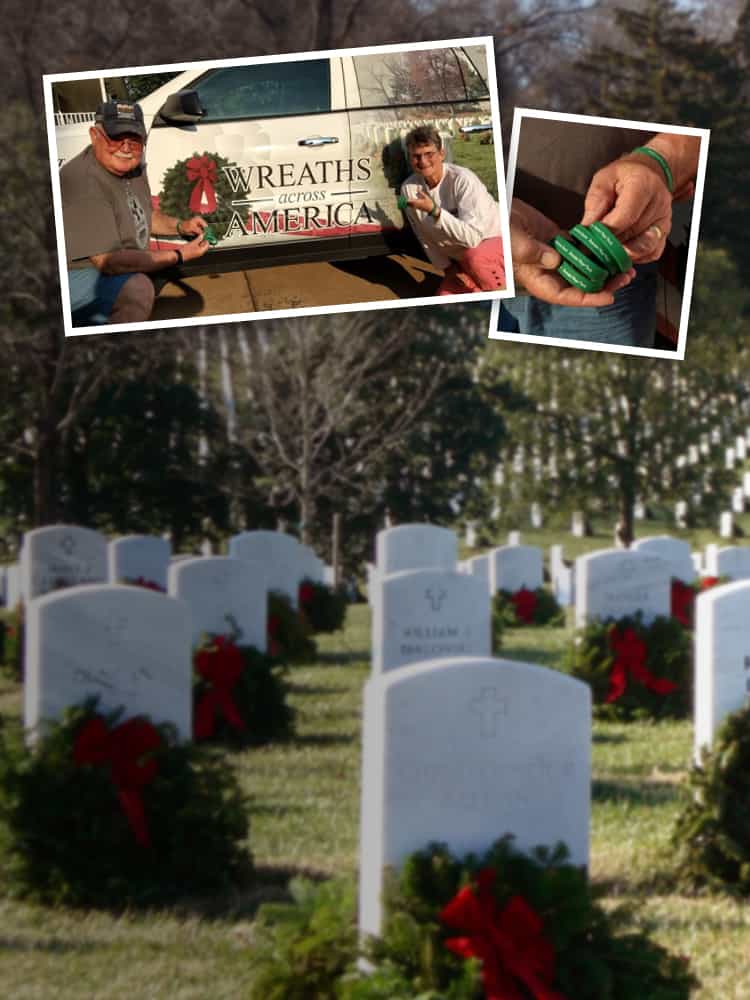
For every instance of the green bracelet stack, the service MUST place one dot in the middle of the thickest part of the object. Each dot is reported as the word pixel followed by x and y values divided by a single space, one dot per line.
pixel 666 170
pixel 599 256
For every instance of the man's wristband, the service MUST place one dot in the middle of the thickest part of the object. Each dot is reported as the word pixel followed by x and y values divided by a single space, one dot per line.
pixel 180 261
pixel 179 231
pixel 434 211
pixel 662 163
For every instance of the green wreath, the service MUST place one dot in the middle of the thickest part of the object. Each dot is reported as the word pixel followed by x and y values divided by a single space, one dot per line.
pixel 634 670
pixel 711 835
pixel 72 832
pixel 246 709
pixel 324 607
pixel 177 189
pixel 543 906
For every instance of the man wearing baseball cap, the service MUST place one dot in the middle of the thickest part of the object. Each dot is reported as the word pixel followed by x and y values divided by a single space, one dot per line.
pixel 109 219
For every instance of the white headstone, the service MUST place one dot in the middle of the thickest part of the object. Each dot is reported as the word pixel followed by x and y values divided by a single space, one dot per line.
pixel 740 449
pixel 428 613
pixel 470 537
pixel 697 558
pixel 722 657
pixel 613 583
pixel 578 524
pixel 726 526
pixel 144 556
pixel 282 557
pixel 729 458
pixel 479 567
pixel 676 553
pixel 738 500
pixel 746 483
pixel 514 538
pixel 415 546
pixel 536 516
pixel 61 555
pixel 464 751
pixel 129 645
pixel 639 511
pixel 562 577
pixel 215 587
pixel 732 561
pixel 680 513
pixel 513 567
pixel 13 593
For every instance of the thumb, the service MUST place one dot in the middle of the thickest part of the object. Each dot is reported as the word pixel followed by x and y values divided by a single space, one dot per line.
pixel 527 250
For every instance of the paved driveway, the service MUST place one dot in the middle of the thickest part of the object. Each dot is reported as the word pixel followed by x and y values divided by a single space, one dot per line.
pixel 293 286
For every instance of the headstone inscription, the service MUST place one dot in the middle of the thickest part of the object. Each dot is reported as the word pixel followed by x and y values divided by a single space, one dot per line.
pixel 61 555
pixel 415 546
pixel 613 583
pixel 429 613
pixel 129 645
pixel 220 593
pixel 722 657
pixel 676 553
pixel 513 567
pixel 464 751
pixel 143 557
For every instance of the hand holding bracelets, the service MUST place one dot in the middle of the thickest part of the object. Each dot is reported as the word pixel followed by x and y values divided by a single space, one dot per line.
pixel 179 230
pixel 668 178
pixel 180 261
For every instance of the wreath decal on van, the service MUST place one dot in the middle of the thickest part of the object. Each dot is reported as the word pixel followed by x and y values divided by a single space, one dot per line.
pixel 198 185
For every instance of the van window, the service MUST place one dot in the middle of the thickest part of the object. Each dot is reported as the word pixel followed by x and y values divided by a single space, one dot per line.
pixel 404 78
pixel 271 90
pixel 473 63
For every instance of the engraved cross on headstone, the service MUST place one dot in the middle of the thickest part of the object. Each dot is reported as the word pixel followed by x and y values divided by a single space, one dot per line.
pixel 436 601
pixel 68 544
pixel 488 706
pixel 115 629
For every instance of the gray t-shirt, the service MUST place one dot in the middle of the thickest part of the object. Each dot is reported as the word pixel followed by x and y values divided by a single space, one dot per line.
pixel 102 212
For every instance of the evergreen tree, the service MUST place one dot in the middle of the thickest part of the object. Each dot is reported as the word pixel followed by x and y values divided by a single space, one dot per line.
pixel 658 68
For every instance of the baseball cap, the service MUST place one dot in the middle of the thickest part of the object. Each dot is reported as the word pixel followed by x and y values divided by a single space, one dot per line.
pixel 119 118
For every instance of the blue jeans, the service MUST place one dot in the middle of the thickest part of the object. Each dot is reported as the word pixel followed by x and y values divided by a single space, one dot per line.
pixel 630 321
pixel 93 294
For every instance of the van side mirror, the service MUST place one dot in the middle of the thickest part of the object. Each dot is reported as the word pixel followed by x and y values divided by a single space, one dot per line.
pixel 182 108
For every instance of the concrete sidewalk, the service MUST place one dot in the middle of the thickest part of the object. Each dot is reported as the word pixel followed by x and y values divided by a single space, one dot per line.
pixel 295 286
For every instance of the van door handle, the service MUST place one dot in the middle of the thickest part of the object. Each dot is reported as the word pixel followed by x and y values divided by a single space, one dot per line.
pixel 318 140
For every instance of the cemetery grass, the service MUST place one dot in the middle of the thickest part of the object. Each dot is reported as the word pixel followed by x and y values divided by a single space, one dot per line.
pixel 304 809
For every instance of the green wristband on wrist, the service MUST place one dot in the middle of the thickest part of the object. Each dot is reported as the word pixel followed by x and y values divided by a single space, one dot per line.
pixel 662 163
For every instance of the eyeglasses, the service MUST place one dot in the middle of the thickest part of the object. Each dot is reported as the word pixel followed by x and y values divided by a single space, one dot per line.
pixel 429 156
pixel 120 140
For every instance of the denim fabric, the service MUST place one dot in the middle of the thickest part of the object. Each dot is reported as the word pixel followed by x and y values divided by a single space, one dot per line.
pixel 630 321
pixel 93 294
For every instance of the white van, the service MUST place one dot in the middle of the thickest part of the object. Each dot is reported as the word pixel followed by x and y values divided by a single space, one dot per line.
pixel 300 160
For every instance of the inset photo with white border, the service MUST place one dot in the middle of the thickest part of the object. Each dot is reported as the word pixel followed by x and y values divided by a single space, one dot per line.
pixel 604 220
pixel 282 185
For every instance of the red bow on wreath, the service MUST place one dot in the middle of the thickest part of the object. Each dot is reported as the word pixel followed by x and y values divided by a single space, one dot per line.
pixel 682 602
pixel 221 665
pixel 122 748
pixel 517 960
pixel 524 602
pixel 630 658
pixel 709 581
pixel 203 170
pixel 306 593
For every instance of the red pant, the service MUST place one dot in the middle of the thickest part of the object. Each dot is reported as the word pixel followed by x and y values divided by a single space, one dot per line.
pixel 481 269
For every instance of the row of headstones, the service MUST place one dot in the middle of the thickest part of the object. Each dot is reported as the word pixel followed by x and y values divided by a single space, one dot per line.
pixel 67 555
pixel 464 748
pixel 458 746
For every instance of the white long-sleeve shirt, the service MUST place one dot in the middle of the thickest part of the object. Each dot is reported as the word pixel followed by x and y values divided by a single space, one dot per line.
pixel 468 214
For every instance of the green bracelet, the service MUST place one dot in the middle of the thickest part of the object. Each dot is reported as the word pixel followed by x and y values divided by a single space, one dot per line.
pixel 662 163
